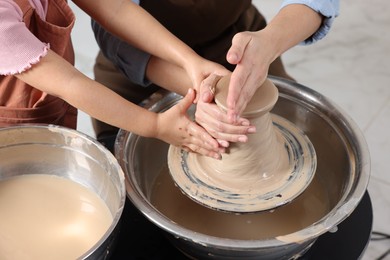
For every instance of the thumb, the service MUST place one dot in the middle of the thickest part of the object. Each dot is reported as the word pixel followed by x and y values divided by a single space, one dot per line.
pixel 187 100
pixel 236 51
pixel 207 89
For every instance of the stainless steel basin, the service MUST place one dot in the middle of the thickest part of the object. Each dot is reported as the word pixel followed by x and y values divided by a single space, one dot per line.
pixel 48 149
pixel 343 166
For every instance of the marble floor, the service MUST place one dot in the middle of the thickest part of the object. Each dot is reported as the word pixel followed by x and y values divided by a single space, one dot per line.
pixel 351 67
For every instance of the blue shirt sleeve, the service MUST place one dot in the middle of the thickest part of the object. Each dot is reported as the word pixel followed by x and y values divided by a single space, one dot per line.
pixel 328 8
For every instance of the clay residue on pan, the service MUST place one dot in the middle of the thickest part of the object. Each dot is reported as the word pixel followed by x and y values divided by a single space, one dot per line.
pixel 284 223
pixel 251 176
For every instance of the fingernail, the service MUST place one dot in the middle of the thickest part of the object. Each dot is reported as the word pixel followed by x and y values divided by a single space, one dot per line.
pixel 223 143
pixel 252 130
pixel 243 139
pixel 205 97
pixel 232 57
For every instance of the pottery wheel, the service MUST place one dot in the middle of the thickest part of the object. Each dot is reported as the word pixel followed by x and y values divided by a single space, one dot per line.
pixel 275 166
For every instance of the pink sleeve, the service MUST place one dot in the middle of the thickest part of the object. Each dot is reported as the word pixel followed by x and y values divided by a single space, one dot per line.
pixel 19 48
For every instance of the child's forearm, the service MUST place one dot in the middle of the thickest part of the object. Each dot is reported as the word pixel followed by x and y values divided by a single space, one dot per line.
pixel 107 106
pixel 134 25
pixel 57 77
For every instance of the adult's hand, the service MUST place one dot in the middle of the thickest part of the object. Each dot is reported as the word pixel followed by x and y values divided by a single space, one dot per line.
pixel 201 71
pixel 252 54
pixel 215 120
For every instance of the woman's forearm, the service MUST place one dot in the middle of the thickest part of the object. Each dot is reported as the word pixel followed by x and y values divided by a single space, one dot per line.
pixel 293 24
pixel 134 25
pixel 168 76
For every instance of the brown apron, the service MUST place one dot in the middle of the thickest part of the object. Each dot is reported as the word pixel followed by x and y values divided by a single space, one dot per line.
pixel 207 26
pixel 21 103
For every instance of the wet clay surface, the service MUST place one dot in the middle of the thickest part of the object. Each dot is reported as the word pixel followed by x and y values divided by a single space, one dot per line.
pixel 308 208
pixel 274 166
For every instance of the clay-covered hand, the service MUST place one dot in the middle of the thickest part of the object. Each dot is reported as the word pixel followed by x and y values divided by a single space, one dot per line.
pixel 175 127
pixel 215 120
pixel 198 69
pixel 252 53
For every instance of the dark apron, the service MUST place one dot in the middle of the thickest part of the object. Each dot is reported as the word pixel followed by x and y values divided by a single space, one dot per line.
pixel 21 103
pixel 207 26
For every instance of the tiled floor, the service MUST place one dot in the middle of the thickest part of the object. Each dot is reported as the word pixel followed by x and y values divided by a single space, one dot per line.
pixel 351 67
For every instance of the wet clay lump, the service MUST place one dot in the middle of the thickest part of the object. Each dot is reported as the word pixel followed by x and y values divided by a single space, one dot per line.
pixel 273 167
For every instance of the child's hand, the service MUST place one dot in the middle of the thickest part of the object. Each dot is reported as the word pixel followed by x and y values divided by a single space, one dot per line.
pixel 175 127
pixel 215 120
pixel 198 69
